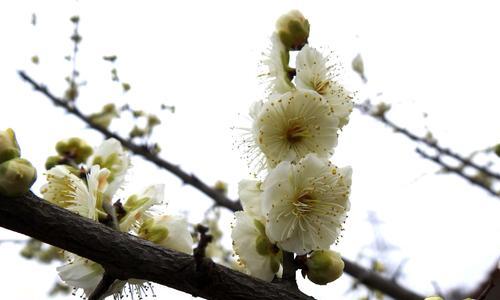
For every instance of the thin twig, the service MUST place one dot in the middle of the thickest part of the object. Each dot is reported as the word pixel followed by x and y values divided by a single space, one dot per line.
pixel 199 251
pixel 219 198
pixel 366 108
pixel 458 171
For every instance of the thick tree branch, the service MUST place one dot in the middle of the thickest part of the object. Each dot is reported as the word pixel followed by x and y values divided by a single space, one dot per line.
pixel 458 171
pixel 370 278
pixel 366 109
pixel 124 256
pixel 142 151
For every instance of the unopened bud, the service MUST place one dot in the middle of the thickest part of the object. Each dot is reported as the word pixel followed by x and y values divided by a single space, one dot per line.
pixel 74 148
pixel 497 150
pixel 9 148
pixel 293 30
pixel 433 298
pixel 52 161
pixel 221 187
pixel 16 177
pixel 324 266
pixel 358 66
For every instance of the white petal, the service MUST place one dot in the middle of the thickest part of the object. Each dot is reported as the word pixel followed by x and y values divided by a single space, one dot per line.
pixel 244 237
pixel 81 274
pixel 154 194
pixel 250 196
pixel 110 155
pixel 178 237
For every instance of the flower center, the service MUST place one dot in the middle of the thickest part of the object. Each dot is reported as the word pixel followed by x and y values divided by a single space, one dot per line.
pixel 296 132
pixel 321 86
pixel 303 203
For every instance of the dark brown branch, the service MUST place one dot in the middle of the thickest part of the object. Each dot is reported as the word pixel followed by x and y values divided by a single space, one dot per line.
pixel 487 290
pixel 191 179
pixel 366 108
pixel 199 251
pixel 458 171
pixel 124 256
pixel 390 288
pixel 378 282
pixel 289 269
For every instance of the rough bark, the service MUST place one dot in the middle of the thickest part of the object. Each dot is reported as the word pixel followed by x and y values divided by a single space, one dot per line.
pixel 124 256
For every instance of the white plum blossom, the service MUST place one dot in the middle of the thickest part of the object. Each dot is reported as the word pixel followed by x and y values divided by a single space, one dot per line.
pixel 306 204
pixel 314 72
pixel 276 67
pixel 295 124
pixel 168 231
pixel 65 189
pixel 256 254
pixel 111 155
pixel 138 206
pixel 81 273
pixel 250 193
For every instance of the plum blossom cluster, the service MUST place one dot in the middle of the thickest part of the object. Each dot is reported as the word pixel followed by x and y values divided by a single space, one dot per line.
pixel 299 199
pixel 85 182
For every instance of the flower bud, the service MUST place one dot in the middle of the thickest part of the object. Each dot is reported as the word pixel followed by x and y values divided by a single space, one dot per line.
pixel 497 150
pixel 52 161
pixel 16 177
pixel 324 266
pixel 9 148
pixel 74 148
pixel 433 298
pixel 293 30
pixel 358 66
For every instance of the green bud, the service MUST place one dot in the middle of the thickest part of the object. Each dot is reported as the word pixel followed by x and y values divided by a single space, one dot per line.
pixel 324 266
pixel 9 148
pixel 52 161
pixel 16 177
pixel 260 227
pixel 497 150
pixel 293 30
pixel 74 148
pixel 221 187
pixel 433 298
pixel 153 232
pixel 263 245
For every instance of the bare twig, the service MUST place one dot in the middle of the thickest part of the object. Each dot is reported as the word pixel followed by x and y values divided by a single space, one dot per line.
pixel 374 280
pixel 199 251
pixel 219 198
pixel 367 107
pixel 458 171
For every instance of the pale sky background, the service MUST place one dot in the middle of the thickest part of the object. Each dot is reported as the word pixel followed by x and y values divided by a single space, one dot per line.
pixel 439 58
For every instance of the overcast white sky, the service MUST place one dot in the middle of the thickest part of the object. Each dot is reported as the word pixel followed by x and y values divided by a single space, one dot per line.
pixel 439 58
